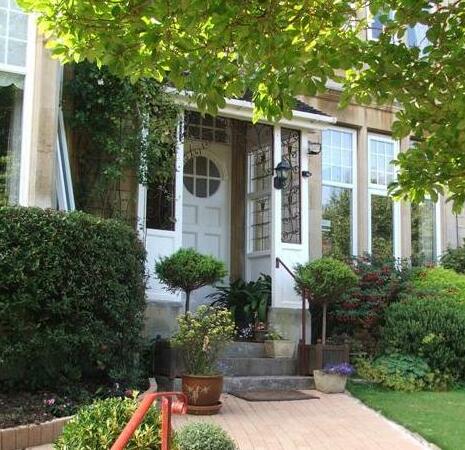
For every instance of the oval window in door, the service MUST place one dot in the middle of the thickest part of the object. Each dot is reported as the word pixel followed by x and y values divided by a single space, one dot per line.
pixel 201 176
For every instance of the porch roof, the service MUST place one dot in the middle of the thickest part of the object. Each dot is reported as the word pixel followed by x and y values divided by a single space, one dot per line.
pixel 299 105
pixel 304 116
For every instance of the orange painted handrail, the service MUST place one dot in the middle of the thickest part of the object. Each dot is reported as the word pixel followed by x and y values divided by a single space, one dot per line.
pixel 168 407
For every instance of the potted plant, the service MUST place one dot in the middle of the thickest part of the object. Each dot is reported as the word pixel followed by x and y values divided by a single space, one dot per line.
pixel 278 347
pixel 187 270
pixel 326 280
pixel 248 303
pixel 333 378
pixel 201 336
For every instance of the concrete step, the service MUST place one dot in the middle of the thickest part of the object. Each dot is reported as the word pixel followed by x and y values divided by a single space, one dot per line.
pixel 232 384
pixel 257 366
pixel 244 350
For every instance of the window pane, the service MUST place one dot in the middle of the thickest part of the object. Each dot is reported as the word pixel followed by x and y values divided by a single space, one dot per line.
pixel 3 20
pixel 213 186
pixel 261 224
pixel 11 100
pixel 2 50
pixel 382 227
pixel 337 221
pixel 214 172
pixel 18 25
pixel 201 187
pixel 337 151
pixel 189 184
pixel 423 227
pixel 14 5
pixel 381 155
pixel 16 55
pixel 189 166
pixel 160 206
pixel 201 165
pixel 259 145
pixel 376 27
pixel 290 194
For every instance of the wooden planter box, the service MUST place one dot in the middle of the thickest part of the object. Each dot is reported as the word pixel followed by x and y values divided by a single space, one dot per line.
pixel 167 360
pixel 24 436
pixel 320 355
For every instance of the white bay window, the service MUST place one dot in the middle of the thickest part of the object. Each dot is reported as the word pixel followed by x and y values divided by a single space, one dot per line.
pixel 383 213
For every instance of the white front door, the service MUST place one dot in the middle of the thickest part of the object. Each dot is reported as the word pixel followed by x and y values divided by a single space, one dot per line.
pixel 206 197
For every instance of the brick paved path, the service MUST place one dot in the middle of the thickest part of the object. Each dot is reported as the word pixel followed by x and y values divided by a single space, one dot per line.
pixel 333 422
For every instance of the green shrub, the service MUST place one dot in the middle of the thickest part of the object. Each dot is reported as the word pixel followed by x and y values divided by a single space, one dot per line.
pixel 454 259
pixel 402 373
pixel 72 297
pixel 97 426
pixel 202 335
pixel 187 270
pixel 438 281
pixel 203 436
pixel 360 313
pixel 326 280
pixel 432 328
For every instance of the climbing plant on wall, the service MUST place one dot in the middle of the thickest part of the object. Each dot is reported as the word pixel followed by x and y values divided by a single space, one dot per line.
pixel 123 133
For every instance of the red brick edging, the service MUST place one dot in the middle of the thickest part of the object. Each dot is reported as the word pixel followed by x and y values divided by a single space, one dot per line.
pixel 24 436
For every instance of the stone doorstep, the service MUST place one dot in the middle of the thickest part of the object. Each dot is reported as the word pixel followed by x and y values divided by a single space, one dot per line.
pixel 24 436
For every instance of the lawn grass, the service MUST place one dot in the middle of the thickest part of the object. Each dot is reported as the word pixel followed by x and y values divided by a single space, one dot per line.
pixel 437 416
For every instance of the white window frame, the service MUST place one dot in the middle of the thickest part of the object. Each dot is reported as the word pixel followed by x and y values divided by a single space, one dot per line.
pixel 382 190
pixel 28 71
pixel 353 186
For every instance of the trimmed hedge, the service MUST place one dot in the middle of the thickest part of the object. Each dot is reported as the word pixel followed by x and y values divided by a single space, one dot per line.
pixel 431 328
pixel 72 297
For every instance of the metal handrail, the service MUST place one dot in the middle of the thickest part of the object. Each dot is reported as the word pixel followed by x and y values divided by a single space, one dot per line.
pixel 168 407
pixel 303 367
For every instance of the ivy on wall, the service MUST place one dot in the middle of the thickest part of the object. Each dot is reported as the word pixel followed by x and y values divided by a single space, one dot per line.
pixel 123 133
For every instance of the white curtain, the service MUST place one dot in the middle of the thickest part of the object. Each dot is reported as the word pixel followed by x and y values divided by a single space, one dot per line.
pixel 11 102
pixel 8 79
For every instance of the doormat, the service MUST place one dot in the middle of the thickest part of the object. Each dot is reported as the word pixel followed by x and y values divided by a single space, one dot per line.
pixel 273 396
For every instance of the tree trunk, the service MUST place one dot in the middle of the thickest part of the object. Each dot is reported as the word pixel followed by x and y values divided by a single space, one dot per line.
pixel 323 329
pixel 188 297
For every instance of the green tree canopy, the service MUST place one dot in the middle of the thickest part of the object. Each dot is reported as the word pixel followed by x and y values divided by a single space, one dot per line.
pixel 278 49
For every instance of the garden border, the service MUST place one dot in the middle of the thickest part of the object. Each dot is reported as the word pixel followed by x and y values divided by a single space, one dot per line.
pixel 24 436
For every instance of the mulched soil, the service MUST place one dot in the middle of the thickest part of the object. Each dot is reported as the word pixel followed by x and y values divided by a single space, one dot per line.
pixel 20 408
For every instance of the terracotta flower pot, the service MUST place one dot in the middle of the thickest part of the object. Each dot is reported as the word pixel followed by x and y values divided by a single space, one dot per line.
pixel 329 383
pixel 202 390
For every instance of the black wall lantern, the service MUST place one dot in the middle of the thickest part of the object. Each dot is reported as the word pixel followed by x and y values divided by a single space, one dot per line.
pixel 282 174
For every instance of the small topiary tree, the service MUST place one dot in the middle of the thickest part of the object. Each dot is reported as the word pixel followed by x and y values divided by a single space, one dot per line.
pixel 203 436
pixel 188 270
pixel 326 280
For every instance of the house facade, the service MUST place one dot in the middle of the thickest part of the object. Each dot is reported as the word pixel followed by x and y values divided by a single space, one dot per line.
pixel 228 198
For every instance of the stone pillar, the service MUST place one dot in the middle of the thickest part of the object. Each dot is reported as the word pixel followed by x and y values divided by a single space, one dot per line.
pixel 314 211
pixel 46 90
